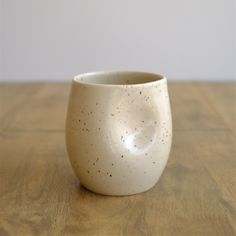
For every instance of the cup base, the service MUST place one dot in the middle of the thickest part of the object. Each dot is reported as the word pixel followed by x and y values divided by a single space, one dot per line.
pixel 117 194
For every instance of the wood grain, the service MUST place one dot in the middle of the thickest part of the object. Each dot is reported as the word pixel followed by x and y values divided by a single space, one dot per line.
pixel 12 98
pixel 39 194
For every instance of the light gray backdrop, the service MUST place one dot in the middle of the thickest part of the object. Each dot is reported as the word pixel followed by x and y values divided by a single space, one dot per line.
pixel 56 39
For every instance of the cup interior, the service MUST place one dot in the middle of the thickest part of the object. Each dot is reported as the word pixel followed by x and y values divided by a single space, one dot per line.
pixel 117 78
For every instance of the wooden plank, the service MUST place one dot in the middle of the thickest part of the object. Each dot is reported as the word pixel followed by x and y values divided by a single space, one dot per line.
pixel 190 111
pixel 52 102
pixel 12 98
pixel 36 183
pixel 44 111
pixel 55 98
pixel 216 152
pixel 222 97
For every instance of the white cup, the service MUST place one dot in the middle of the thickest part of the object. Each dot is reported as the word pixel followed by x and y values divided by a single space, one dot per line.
pixel 119 130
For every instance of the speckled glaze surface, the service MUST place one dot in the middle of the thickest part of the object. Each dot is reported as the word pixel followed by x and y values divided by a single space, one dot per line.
pixel 118 130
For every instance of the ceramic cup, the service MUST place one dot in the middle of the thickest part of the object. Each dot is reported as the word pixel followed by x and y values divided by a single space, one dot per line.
pixel 118 130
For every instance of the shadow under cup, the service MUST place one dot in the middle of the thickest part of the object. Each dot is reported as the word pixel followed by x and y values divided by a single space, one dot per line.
pixel 118 130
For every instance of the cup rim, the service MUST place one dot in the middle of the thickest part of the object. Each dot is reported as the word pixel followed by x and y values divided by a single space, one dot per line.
pixel 159 78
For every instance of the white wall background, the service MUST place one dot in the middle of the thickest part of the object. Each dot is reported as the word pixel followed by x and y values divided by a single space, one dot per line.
pixel 56 39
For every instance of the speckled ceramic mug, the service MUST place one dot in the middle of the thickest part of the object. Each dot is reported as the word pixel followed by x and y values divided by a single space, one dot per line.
pixel 119 130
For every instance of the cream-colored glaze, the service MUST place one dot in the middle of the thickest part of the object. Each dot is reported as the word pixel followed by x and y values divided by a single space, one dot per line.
pixel 119 130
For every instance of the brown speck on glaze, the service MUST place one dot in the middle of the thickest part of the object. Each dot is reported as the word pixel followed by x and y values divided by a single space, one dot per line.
pixel 87 130
pixel 112 164
pixel 110 175
pixel 143 121
pixel 99 171
pixel 153 162
pixel 112 114
pixel 146 154
pixel 140 92
pixel 96 103
pixel 94 163
pixel 88 171
pixel 122 156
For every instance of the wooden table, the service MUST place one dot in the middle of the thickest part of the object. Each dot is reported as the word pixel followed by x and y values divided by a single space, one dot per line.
pixel 40 195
